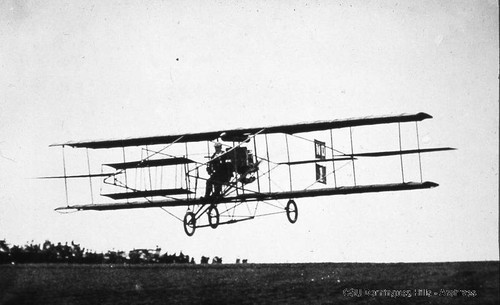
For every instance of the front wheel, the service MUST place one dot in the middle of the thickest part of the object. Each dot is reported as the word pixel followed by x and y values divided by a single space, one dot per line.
pixel 213 216
pixel 292 213
pixel 189 223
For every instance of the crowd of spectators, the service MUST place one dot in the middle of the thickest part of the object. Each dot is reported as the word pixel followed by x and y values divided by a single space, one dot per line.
pixel 75 254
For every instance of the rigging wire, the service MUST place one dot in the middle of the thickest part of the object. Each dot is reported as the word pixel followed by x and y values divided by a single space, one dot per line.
pixel 171 214
pixel 312 141
pixel 327 175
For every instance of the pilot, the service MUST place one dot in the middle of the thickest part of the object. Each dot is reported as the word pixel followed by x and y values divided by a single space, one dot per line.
pixel 217 170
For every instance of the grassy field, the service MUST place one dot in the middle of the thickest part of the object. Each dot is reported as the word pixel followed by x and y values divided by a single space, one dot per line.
pixel 328 283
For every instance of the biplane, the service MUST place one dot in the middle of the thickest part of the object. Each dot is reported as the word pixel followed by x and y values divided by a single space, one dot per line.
pixel 253 172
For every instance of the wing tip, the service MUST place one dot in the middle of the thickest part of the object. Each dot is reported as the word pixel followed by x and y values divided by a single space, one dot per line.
pixel 64 144
pixel 423 115
pixel 430 184
pixel 66 210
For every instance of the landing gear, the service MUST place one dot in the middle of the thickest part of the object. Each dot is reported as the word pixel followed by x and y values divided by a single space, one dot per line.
pixel 189 223
pixel 213 216
pixel 292 213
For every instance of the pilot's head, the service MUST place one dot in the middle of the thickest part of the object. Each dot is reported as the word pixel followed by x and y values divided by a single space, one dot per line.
pixel 217 146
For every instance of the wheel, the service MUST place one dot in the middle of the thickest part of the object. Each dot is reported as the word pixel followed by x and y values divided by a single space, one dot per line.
pixel 189 223
pixel 292 213
pixel 213 216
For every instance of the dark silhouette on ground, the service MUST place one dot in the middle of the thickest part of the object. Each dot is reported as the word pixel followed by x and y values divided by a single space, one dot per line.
pixel 75 254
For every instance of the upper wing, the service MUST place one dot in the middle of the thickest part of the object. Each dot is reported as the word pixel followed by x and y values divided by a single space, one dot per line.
pixel 213 135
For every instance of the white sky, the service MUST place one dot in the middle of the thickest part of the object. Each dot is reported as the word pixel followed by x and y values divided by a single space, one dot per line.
pixel 93 70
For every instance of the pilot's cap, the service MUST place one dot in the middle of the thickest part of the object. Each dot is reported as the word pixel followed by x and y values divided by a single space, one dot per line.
pixel 217 144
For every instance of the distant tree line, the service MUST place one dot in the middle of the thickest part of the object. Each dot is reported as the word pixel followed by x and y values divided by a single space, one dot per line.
pixel 75 254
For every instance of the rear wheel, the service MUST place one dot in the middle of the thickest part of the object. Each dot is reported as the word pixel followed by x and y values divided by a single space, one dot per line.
pixel 292 213
pixel 213 216
pixel 189 223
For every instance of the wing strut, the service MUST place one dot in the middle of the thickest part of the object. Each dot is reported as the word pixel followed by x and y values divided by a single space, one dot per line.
pixel 418 147
pixel 352 154
pixel 401 155
pixel 289 165
pixel 90 178
pixel 333 159
pixel 65 179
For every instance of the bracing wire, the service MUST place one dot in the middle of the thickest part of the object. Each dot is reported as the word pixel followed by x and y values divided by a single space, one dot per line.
pixel 171 214
pixel 312 141
pixel 327 175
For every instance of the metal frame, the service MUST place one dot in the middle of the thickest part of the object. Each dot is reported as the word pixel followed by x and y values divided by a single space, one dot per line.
pixel 235 193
